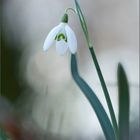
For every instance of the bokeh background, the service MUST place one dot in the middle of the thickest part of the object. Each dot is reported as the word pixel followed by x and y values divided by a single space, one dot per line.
pixel 39 99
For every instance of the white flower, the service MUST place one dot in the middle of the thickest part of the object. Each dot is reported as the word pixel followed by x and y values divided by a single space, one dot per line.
pixel 64 38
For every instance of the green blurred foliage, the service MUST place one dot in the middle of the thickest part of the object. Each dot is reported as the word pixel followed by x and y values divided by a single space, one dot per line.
pixel 10 56
pixel 9 83
pixel 3 135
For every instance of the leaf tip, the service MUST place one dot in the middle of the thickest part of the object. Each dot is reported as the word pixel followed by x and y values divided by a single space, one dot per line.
pixel 120 69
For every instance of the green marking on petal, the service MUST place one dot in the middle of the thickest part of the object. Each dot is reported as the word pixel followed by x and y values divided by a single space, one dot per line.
pixel 60 37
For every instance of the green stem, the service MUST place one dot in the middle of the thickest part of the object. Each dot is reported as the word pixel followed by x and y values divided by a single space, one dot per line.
pixel 104 87
pixel 68 9
pixel 93 100
pixel 106 93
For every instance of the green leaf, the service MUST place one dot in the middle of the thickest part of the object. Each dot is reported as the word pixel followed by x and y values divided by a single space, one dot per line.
pixel 123 104
pixel 94 101
pixel 94 58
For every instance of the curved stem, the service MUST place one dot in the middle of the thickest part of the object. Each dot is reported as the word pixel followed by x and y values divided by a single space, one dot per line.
pixel 93 100
pixel 70 9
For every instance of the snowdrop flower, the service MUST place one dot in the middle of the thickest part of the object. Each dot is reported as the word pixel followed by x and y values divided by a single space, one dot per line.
pixel 63 36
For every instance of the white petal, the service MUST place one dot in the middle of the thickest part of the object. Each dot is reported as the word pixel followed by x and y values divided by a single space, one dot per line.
pixel 61 47
pixel 51 36
pixel 71 38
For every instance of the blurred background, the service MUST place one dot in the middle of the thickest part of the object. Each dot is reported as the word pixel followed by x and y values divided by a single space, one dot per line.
pixel 39 99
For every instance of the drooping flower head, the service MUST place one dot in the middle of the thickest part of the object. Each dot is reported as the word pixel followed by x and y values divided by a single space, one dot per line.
pixel 63 36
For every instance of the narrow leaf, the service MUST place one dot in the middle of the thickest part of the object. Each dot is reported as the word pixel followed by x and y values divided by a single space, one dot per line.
pixel 94 101
pixel 123 104
pixel 103 84
pixel 82 20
